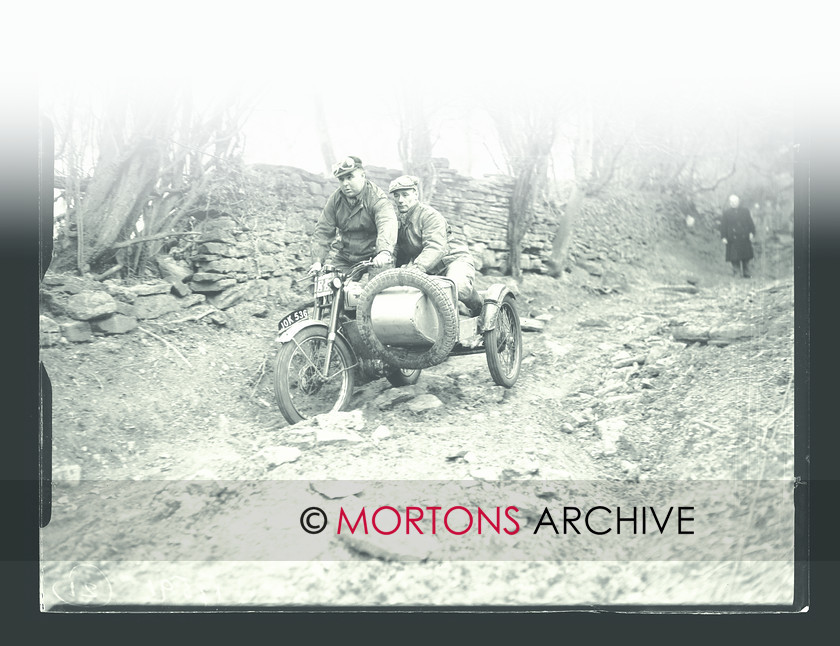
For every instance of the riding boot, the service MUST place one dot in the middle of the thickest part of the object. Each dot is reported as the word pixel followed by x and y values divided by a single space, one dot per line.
pixel 473 301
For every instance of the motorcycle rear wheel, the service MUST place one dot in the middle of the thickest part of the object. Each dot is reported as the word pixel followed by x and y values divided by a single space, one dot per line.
pixel 300 388
pixel 401 376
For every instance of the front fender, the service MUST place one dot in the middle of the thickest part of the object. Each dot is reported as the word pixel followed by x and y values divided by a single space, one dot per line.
pixel 495 294
pixel 287 334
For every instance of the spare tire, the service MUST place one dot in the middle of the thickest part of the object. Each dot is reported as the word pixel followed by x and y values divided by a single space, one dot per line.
pixel 440 298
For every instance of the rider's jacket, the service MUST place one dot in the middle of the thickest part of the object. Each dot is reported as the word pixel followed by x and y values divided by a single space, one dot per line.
pixel 426 238
pixel 365 228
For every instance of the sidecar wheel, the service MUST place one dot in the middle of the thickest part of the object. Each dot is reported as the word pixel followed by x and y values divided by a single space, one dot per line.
pixel 503 345
pixel 401 376
pixel 300 388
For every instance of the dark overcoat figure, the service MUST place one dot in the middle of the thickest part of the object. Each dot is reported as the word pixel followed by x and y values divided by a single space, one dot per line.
pixel 736 226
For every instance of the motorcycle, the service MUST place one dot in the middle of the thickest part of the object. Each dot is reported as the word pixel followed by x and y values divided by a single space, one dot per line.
pixel 400 322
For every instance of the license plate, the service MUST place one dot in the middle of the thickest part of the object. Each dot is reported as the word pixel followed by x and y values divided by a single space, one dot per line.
pixel 290 319
pixel 323 286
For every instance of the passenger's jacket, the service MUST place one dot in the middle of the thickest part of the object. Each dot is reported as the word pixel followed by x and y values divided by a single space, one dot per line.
pixel 365 228
pixel 426 238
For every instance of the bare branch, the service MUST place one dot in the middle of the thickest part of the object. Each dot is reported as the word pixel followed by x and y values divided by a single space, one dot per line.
pixel 159 236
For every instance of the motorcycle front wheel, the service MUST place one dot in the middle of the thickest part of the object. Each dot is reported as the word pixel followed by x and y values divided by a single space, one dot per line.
pixel 301 388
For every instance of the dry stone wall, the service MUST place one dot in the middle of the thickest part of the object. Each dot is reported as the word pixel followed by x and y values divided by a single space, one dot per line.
pixel 479 208
pixel 249 245
pixel 283 203
pixel 265 234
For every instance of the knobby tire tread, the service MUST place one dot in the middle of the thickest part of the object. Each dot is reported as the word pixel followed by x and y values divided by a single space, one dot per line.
pixel 404 357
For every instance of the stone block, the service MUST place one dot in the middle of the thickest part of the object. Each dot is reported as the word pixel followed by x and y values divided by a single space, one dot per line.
pixel 266 264
pixel 126 309
pixel 211 287
pixel 330 436
pixel 216 226
pixel 77 331
pixel 192 299
pixel 201 259
pixel 116 324
pixel 181 289
pixel 267 246
pixel 49 331
pixel 150 289
pixel 424 403
pixel 74 285
pixel 171 270
pixel 90 305
pixel 224 265
pixel 203 277
pixel 230 296
pixel 54 303
pixel 152 307
pixel 53 279
pixel 216 248
pixel 120 292
pixel 217 236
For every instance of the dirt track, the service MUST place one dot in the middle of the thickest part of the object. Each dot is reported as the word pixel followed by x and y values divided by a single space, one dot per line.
pixel 131 409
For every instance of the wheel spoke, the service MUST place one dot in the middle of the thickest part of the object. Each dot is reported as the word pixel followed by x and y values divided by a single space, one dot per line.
pixel 507 349
pixel 312 393
pixel 504 345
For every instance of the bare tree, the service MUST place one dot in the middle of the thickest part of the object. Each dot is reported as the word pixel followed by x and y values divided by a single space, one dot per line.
pixel 324 134
pixel 155 158
pixel 415 143
pixel 582 158
pixel 527 131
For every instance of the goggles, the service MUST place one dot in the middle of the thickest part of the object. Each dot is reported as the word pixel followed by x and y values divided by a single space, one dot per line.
pixel 346 165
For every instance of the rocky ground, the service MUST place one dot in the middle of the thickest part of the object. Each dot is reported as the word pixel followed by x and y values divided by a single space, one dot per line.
pixel 667 371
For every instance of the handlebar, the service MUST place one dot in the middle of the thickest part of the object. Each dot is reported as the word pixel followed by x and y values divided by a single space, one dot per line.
pixel 359 269
pixel 353 273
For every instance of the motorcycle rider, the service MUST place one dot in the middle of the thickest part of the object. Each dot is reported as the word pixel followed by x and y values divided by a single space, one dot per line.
pixel 426 243
pixel 358 222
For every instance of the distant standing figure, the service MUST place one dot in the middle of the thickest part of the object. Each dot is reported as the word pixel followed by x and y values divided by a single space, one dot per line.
pixel 737 230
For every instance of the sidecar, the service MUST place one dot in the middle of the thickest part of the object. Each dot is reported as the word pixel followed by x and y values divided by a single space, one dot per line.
pixel 410 321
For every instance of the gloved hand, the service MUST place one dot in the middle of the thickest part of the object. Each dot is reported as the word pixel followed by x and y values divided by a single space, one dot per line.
pixel 413 267
pixel 723 240
pixel 315 268
pixel 382 258
pixel 751 237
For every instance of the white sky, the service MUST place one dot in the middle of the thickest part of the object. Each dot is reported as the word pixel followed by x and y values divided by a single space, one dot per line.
pixel 356 55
